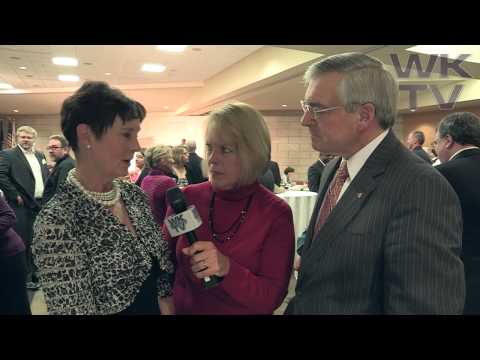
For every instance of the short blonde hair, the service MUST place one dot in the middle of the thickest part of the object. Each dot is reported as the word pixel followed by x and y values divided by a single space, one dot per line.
pixel 28 130
pixel 156 153
pixel 177 153
pixel 246 128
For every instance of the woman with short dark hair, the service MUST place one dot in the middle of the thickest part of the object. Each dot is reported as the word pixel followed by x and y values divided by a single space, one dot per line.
pixel 97 245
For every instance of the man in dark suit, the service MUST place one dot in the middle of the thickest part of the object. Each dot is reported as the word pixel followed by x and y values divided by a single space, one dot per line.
pixel 385 234
pixel 415 141
pixel 23 172
pixel 458 148
pixel 315 171
pixel 58 150
pixel 194 165
pixel 273 166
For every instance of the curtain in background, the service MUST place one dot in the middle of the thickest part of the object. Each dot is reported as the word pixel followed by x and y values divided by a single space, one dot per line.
pixel 7 133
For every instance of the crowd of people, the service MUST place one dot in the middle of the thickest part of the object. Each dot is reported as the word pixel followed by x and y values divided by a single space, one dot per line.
pixel 390 233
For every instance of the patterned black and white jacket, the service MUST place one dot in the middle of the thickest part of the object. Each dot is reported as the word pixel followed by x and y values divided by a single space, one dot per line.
pixel 91 264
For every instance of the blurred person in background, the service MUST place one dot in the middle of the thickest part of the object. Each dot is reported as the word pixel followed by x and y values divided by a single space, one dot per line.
pixel 180 160
pixel 13 266
pixel 415 140
pixel 160 161
pixel 458 147
pixel 195 163
pixel 136 170
pixel 58 150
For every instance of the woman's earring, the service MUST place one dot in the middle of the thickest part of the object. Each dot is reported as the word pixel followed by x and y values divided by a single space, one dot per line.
pixel 89 146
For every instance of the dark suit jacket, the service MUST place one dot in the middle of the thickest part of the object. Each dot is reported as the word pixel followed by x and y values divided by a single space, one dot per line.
pixel 391 245
pixel 267 180
pixel 57 177
pixel 194 169
pixel 463 173
pixel 276 172
pixel 422 154
pixel 314 175
pixel 16 176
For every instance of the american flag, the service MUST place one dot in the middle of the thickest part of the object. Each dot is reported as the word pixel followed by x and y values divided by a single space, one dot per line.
pixel 7 133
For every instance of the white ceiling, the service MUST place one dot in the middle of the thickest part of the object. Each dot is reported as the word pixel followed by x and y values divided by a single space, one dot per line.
pixel 194 81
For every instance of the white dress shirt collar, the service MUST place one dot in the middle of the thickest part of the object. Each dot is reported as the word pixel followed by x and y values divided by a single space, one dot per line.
pixel 357 160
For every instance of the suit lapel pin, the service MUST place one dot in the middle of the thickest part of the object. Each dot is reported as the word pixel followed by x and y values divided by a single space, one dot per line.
pixel 359 195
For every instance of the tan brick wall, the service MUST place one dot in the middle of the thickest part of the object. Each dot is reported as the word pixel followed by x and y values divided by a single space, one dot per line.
pixel 291 145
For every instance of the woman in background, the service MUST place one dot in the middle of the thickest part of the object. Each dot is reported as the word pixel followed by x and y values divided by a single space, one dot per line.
pixel 159 159
pixel 180 160
pixel 138 166
pixel 247 235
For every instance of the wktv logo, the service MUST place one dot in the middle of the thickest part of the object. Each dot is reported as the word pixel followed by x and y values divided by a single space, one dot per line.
pixel 446 64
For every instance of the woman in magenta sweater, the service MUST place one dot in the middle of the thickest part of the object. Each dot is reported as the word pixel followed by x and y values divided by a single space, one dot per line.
pixel 159 180
pixel 247 235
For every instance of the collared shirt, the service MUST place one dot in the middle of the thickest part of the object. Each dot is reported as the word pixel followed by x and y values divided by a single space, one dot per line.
pixel 461 150
pixel 36 170
pixel 357 160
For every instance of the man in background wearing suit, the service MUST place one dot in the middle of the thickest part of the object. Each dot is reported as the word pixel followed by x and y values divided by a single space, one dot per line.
pixel 273 166
pixel 458 148
pixel 315 171
pixel 194 163
pixel 415 141
pixel 58 150
pixel 23 172
pixel 385 234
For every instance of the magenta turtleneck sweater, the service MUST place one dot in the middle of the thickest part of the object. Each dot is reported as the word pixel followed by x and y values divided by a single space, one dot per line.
pixel 155 185
pixel 261 253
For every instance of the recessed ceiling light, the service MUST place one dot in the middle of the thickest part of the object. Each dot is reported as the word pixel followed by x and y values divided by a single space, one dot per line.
pixel 171 48
pixel 65 61
pixel 165 107
pixel 5 86
pixel 23 68
pixel 108 74
pixel 72 78
pixel 413 110
pixel 15 110
pixel 196 49
pixel 153 67
pixel 284 105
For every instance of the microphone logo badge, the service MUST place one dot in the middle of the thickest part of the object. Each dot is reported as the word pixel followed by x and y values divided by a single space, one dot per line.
pixel 177 222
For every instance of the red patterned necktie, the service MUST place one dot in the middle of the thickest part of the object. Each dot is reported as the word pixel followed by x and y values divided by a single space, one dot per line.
pixel 330 199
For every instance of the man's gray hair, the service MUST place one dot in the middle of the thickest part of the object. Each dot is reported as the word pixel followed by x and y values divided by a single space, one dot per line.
pixel 191 145
pixel 419 135
pixel 366 81
pixel 463 127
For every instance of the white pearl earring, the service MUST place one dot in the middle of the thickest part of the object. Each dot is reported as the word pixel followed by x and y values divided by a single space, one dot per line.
pixel 89 146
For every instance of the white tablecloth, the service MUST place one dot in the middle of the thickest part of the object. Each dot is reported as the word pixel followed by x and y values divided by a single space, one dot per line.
pixel 302 204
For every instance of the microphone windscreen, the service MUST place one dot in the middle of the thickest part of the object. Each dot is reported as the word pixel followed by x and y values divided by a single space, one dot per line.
pixel 176 199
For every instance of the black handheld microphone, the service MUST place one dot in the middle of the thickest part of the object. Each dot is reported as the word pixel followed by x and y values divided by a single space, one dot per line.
pixel 184 222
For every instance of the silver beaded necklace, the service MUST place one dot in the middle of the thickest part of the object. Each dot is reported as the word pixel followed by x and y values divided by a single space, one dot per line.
pixel 108 198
